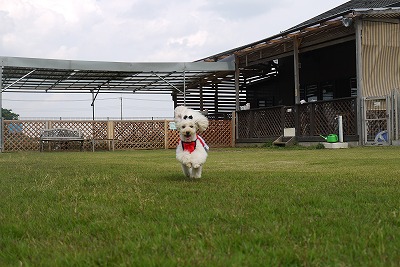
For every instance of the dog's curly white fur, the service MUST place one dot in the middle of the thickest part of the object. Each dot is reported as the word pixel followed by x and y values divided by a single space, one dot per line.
pixel 191 150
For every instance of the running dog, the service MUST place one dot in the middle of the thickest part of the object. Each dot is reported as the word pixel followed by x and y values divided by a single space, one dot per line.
pixel 191 151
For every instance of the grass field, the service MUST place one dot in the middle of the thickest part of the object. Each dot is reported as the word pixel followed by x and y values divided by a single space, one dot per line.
pixel 253 207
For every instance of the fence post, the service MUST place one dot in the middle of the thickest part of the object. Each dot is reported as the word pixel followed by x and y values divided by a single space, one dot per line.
pixel 233 129
pixel 166 137
pixel 296 111
pixel 283 109
pixel 110 135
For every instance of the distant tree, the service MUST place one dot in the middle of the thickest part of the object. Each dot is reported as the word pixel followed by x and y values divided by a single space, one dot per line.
pixel 7 114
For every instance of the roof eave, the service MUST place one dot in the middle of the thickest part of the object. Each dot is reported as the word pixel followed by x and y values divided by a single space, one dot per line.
pixel 348 13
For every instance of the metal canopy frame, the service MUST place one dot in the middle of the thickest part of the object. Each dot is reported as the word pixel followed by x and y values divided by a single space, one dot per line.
pixel 71 76
pixel 35 75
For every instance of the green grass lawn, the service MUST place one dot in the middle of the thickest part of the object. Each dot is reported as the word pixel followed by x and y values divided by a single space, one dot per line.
pixel 253 207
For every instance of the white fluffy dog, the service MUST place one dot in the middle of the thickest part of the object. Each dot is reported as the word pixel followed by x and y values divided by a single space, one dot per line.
pixel 191 151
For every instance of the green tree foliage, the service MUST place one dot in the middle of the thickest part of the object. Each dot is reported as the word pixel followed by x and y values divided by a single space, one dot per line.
pixel 7 114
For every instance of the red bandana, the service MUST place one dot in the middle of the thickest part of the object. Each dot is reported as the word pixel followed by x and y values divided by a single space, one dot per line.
pixel 189 146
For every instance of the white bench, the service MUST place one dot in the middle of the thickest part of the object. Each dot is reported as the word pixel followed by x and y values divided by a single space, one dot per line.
pixel 61 135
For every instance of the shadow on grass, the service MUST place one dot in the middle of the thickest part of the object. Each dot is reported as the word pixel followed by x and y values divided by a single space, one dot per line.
pixel 179 177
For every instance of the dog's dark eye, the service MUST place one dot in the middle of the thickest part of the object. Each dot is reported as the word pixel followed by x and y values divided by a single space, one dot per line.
pixel 191 126
pixel 187 117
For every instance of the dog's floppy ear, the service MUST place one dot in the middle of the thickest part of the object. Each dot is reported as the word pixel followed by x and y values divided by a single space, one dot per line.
pixel 179 112
pixel 200 120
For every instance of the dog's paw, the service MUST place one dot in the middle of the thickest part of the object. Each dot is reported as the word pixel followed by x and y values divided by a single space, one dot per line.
pixel 189 165
pixel 196 166
pixel 195 175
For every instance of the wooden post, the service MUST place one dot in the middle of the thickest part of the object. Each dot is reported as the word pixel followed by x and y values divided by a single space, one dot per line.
pixel 166 137
pixel 201 97
pixel 237 87
pixel 215 86
pixel 110 135
pixel 283 111
pixel 296 110
pixel 296 64
pixel 360 79
pixel 233 128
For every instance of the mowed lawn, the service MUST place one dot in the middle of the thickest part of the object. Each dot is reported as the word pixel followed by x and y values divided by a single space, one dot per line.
pixel 253 207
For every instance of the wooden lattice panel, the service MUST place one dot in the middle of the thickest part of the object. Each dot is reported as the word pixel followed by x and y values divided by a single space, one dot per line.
pixel 321 117
pixel 89 129
pixel 304 119
pixel 267 122
pixel 244 118
pixel 260 123
pixel 325 122
pixel 173 138
pixel 218 133
pixel 313 119
pixel 290 121
pixel 139 134
pixel 22 135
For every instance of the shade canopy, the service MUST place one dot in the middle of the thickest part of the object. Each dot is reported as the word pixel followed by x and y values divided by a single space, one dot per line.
pixel 51 75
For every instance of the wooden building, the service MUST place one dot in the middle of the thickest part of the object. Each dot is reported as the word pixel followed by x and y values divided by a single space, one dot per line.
pixel 349 52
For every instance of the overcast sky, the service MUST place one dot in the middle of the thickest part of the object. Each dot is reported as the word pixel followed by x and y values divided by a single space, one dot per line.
pixel 134 31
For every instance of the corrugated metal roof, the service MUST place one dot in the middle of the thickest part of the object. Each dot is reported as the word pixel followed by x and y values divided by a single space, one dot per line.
pixel 51 75
pixel 337 12
pixel 347 7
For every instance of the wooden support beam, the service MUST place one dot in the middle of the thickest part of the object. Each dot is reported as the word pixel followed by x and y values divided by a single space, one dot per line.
pixel 201 97
pixel 296 44
pixel 215 86
pixel 237 78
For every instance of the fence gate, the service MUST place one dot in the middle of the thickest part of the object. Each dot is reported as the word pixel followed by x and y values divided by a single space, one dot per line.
pixel 377 120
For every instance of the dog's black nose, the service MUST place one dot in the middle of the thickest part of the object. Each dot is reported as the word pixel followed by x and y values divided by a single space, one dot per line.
pixel 187 133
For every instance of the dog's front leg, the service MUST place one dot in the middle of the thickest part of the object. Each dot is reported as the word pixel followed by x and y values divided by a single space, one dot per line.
pixel 196 172
pixel 199 157
pixel 184 157
pixel 186 170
